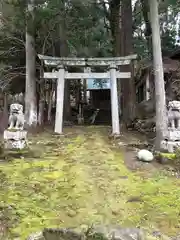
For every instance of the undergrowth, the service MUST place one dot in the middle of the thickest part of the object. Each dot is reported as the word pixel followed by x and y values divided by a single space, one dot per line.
pixel 79 181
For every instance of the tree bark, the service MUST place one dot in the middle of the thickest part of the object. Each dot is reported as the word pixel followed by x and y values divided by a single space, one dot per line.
pixel 5 103
pixel 121 29
pixel 50 101
pixel 161 115
pixel 115 25
pixel 30 97
pixel 4 120
pixel 148 30
pixel 128 85
pixel 41 112
pixel 41 103
pixel 63 51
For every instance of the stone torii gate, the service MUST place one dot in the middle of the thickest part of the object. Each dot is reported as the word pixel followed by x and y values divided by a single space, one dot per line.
pixel 61 75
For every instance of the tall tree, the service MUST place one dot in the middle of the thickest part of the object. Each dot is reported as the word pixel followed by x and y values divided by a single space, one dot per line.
pixel 30 92
pixel 147 32
pixel 115 25
pixel 128 86
pixel 161 115
pixel 122 34
pixel 63 52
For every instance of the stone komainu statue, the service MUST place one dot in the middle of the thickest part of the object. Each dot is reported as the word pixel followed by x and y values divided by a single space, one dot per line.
pixel 174 114
pixel 16 117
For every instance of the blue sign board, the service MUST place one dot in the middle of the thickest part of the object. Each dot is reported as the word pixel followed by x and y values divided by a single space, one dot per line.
pixel 97 84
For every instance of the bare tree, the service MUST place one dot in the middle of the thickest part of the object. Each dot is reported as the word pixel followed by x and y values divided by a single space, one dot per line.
pixel 161 116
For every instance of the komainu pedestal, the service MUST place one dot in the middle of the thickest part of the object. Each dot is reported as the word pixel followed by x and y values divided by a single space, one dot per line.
pixel 15 139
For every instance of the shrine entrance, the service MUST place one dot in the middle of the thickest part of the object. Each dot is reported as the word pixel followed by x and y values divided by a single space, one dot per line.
pixel 60 72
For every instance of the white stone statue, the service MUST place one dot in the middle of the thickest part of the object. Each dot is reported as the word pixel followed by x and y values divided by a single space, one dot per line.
pixel 174 105
pixel 172 140
pixel 174 114
pixel 16 118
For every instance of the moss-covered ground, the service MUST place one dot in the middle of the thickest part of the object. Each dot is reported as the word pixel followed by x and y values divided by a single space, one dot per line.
pixel 79 180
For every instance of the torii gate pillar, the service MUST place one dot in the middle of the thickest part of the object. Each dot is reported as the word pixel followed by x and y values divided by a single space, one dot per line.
pixel 60 101
pixel 114 101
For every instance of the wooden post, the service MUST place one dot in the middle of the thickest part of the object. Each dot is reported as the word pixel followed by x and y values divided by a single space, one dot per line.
pixel 86 70
pixel 173 124
pixel 147 87
pixel 114 101
pixel 60 101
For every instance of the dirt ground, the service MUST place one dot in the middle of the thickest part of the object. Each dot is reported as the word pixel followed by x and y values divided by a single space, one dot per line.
pixel 84 178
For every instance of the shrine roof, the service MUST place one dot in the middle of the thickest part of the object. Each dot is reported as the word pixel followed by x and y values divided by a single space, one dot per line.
pixel 169 65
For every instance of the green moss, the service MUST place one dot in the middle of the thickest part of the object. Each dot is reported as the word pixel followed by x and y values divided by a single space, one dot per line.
pixel 15 130
pixel 78 181
pixel 168 155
